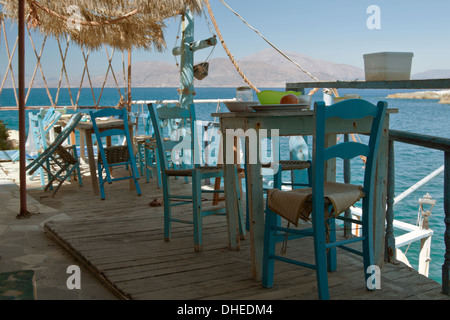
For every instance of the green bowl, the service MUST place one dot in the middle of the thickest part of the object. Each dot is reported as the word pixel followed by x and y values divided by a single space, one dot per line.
pixel 272 96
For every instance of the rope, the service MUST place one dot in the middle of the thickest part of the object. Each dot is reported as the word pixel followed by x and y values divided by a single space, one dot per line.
pixel 272 45
pixel 226 48
pixel 278 50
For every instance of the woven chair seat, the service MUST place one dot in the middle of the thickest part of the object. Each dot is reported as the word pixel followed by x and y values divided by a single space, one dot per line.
pixel 290 164
pixel 142 138
pixel 65 155
pixel 188 172
pixel 115 154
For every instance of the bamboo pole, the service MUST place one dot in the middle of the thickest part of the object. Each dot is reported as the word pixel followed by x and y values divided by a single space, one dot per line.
pixel 129 80
pixel 10 58
pixel 22 137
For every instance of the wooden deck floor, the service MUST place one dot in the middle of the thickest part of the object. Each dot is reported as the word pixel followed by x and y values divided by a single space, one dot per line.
pixel 120 241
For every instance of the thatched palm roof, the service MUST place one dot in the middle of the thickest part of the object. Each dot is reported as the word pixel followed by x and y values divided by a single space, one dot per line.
pixel 92 23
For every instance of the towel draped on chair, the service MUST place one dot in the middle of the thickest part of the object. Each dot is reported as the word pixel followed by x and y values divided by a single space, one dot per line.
pixel 295 204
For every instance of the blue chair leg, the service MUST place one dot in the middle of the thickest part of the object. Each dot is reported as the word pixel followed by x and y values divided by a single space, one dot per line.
pixel 75 154
pixel 320 254
pixel 367 244
pixel 42 176
pixel 148 156
pixel 158 169
pixel 277 178
pixel 247 215
pixel 197 211
pixel 80 180
pixel 269 249
pixel 135 174
pixel 331 254
pixel 167 211
pixel 48 175
pixel 101 182
pixel 277 184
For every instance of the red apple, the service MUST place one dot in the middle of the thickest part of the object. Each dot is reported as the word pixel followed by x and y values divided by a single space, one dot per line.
pixel 289 99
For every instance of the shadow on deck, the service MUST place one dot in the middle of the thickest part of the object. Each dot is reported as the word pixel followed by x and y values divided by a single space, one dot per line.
pixel 120 241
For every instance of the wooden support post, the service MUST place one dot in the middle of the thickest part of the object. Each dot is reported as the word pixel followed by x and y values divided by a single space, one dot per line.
pixel 390 252
pixel 186 50
pixel 22 137
pixel 425 243
pixel 187 62
pixel 446 266
pixel 129 84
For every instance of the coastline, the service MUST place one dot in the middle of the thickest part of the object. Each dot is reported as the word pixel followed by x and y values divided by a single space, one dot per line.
pixel 442 95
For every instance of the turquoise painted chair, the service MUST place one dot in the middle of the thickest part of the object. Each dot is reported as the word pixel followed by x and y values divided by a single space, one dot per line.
pixel 60 162
pixel 146 150
pixel 40 125
pixel 184 139
pixel 292 166
pixel 116 155
pixel 309 203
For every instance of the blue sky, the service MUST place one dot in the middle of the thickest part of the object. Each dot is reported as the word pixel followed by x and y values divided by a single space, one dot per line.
pixel 333 30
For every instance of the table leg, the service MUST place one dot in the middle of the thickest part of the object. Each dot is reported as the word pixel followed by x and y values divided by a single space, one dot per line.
pixel 90 151
pixel 72 139
pixel 256 210
pixel 82 145
pixel 231 199
pixel 232 206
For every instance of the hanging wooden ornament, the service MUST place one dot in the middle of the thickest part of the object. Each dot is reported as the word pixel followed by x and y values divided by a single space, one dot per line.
pixel 201 70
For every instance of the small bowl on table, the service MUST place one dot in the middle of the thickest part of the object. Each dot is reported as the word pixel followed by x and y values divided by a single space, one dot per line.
pixel 239 106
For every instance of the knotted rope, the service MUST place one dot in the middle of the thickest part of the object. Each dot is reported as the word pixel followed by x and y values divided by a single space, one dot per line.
pixel 226 48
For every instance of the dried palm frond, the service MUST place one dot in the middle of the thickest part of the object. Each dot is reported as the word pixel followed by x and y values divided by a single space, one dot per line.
pixel 120 24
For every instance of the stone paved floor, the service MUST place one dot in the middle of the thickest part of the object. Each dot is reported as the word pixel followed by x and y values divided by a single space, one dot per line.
pixel 24 245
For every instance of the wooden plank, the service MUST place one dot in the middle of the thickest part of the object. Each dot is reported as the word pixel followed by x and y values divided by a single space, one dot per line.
pixel 393 84
pixel 121 243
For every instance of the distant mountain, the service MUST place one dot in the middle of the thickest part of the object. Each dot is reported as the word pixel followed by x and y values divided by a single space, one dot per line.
pixel 432 74
pixel 264 69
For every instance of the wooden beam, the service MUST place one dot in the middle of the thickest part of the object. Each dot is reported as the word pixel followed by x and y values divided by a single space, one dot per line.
pixel 358 84
pixel 202 44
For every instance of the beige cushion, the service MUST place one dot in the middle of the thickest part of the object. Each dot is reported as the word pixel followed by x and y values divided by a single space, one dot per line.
pixel 295 204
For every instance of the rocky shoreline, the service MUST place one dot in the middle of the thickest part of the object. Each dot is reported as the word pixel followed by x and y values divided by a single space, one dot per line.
pixel 442 95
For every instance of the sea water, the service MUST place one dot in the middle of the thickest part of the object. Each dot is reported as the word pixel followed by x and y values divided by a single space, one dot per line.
pixel 412 163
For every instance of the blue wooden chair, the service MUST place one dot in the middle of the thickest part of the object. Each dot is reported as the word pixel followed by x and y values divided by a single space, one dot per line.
pixel 146 150
pixel 140 140
pixel 292 166
pixel 40 125
pixel 116 155
pixel 58 161
pixel 184 138
pixel 309 203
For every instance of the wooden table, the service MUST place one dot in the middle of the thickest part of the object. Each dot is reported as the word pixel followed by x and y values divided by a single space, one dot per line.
pixel 288 123
pixel 86 130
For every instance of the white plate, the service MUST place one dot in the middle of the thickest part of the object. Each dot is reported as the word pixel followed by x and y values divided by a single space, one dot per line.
pixel 238 106
pixel 280 107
